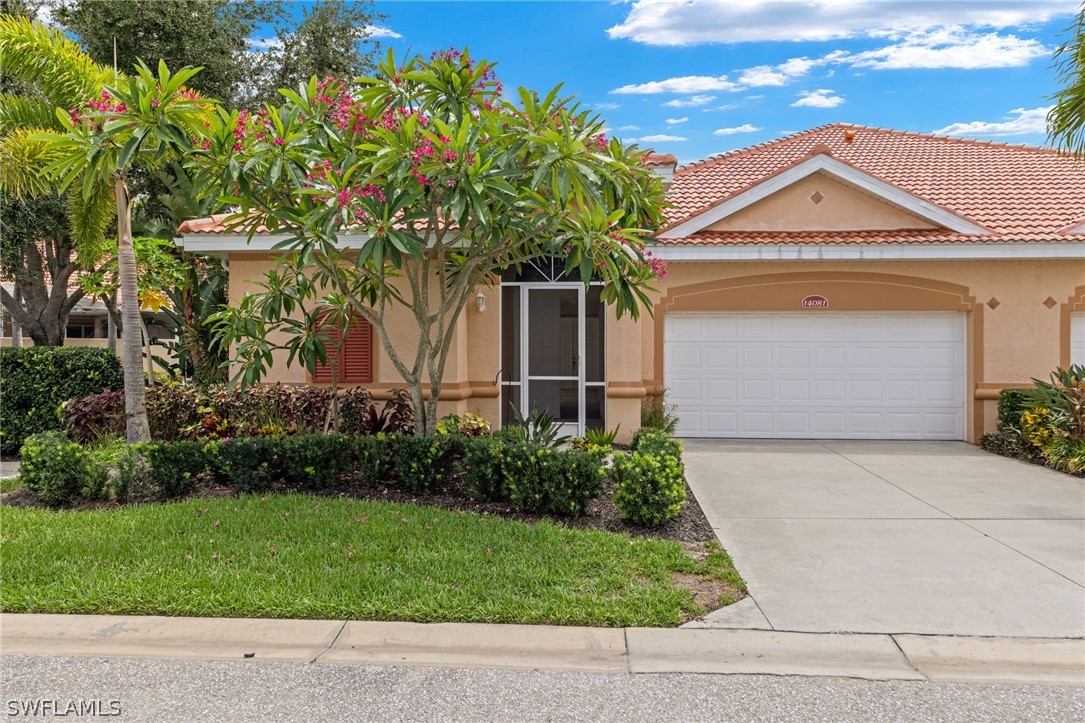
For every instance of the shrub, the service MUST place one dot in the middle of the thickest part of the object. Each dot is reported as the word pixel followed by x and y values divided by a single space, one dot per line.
pixel 424 464
pixel 482 469
pixel 102 458
pixel 176 467
pixel 372 458
pixel 36 381
pixel 548 481
pixel 656 413
pixel 95 416
pixel 131 474
pixel 250 464
pixel 187 412
pixel 1009 442
pixel 471 424
pixel 654 441
pixel 315 461
pixel 1011 403
pixel 1066 454
pixel 649 489
pixel 53 467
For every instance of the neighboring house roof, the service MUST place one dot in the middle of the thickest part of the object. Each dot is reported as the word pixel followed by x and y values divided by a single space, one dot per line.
pixel 973 191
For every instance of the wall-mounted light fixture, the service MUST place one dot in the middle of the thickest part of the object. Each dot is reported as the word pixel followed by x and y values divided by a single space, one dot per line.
pixel 480 299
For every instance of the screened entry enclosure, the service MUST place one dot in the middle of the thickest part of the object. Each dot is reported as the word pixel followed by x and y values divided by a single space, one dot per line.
pixel 552 346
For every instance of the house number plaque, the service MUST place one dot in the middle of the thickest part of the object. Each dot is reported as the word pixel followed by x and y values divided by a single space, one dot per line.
pixel 815 301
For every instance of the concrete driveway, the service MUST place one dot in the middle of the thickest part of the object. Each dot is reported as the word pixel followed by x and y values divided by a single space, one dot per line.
pixel 895 537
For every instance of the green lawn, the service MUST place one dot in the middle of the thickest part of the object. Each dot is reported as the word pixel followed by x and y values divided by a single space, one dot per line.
pixel 7 484
pixel 296 556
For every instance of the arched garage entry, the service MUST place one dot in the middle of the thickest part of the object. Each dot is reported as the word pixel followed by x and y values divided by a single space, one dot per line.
pixel 832 355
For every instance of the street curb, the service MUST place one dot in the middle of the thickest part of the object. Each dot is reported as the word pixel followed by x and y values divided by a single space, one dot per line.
pixel 613 650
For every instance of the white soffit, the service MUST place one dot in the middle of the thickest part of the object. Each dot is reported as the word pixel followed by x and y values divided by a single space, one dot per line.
pixel 841 171
pixel 220 244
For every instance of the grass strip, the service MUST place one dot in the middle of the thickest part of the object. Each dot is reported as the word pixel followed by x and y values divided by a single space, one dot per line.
pixel 298 556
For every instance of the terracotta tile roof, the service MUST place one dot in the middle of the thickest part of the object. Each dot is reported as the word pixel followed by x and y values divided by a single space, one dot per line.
pixel 211 225
pixel 660 159
pixel 1018 193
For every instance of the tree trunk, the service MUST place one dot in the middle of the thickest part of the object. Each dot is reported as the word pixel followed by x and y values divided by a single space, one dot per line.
pixel 111 325
pixel 132 359
pixel 16 328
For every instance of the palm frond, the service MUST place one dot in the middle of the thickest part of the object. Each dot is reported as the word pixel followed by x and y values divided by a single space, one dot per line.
pixel 22 159
pixel 22 112
pixel 89 218
pixel 50 61
pixel 1066 121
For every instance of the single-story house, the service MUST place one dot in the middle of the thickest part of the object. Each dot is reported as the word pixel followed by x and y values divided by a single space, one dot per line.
pixel 843 282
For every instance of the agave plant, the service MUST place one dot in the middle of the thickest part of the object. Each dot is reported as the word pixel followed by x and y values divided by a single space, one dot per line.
pixel 539 427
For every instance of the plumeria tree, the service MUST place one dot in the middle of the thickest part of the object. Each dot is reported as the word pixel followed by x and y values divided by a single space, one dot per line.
pixel 146 119
pixel 446 182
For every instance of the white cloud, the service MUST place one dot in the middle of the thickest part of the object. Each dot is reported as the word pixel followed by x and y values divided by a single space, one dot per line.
pixel 690 102
pixel 607 106
pixel 675 121
pixel 262 45
pixel 950 47
pixel 744 128
pixel 1017 122
pixel 376 31
pixel 629 128
pixel 781 74
pixel 718 108
pixel 666 22
pixel 686 84
pixel 821 98
pixel 660 138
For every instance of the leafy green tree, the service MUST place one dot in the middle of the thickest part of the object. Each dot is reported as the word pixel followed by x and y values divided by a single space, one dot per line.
pixel 39 256
pixel 448 183
pixel 334 38
pixel 212 34
pixel 1066 121
pixel 146 119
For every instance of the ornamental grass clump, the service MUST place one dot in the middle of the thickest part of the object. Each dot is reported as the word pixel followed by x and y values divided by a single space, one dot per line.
pixel 649 483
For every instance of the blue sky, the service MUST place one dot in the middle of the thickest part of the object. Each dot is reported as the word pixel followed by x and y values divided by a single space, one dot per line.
pixel 697 78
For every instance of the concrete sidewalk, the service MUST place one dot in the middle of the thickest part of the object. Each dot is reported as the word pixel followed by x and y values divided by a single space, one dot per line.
pixel 632 650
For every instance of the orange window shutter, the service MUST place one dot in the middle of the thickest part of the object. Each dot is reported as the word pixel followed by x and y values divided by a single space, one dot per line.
pixel 357 360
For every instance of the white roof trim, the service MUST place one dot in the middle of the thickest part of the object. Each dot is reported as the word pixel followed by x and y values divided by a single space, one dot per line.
pixel 989 250
pixel 216 244
pixel 839 170
pixel 1079 228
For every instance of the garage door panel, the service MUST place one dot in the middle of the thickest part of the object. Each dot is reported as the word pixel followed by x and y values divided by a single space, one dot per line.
pixel 722 358
pixel 870 375
pixel 1077 337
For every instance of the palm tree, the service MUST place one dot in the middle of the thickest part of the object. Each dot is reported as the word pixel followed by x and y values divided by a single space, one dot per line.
pixel 1066 121
pixel 145 119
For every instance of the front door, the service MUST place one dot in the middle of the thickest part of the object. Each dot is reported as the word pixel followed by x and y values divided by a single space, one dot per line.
pixel 559 365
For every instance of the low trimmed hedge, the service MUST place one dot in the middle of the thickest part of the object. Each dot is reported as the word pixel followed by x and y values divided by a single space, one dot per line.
pixel 531 477
pixel 650 482
pixel 35 381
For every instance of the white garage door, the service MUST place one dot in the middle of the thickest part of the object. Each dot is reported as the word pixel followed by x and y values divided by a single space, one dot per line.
pixel 827 375
pixel 1077 337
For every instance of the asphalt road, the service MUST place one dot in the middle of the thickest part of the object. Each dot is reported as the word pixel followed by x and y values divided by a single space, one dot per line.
pixel 166 690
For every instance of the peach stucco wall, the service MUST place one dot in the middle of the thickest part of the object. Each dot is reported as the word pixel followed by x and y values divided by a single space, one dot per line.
pixel 470 369
pixel 841 207
pixel 1019 338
